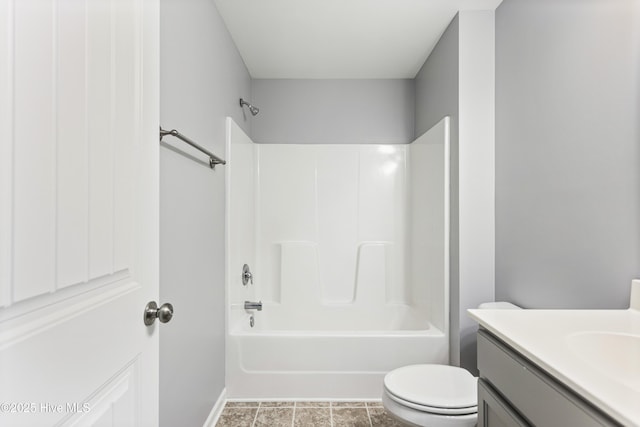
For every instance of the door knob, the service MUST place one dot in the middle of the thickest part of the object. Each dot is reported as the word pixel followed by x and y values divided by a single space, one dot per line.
pixel 152 312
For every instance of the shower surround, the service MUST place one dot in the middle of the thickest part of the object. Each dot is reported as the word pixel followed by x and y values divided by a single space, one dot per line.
pixel 348 245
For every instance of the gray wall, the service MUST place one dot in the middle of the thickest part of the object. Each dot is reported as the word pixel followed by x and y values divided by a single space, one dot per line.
pixel 567 152
pixel 437 97
pixel 202 77
pixel 333 111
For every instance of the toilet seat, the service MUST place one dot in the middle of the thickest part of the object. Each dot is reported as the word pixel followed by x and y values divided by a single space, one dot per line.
pixel 432 409
pixel 435 389
pixel 416 418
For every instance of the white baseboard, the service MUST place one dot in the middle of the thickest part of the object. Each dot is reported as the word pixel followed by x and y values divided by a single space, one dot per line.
pixel 212 419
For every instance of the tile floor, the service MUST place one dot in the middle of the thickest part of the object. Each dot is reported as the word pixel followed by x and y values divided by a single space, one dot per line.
pixel 305 414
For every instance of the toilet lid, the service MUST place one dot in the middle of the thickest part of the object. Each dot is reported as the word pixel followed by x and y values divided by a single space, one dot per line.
pixel 436 386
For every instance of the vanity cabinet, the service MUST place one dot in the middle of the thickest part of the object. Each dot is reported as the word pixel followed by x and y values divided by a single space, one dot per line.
pixel 512 391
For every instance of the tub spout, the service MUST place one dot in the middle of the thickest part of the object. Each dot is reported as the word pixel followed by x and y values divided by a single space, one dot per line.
pixel 250 305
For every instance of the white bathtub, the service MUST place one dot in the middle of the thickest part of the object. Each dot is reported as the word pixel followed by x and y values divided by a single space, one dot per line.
pixel 304 361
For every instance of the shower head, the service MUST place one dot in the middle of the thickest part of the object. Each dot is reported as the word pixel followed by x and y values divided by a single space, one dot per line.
pixel 254 110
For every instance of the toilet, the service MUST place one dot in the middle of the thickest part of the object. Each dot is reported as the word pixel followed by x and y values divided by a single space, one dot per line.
pixel 432 395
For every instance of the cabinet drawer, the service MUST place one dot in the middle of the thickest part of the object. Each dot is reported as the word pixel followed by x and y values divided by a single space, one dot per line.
pixel 539 398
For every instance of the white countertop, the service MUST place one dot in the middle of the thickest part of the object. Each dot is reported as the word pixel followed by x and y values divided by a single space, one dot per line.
pixel 558 342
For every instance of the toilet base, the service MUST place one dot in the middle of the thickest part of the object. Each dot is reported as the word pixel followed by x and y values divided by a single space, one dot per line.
pixel 415 418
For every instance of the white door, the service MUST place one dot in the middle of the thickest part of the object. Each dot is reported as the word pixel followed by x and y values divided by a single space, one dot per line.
pixel 78 212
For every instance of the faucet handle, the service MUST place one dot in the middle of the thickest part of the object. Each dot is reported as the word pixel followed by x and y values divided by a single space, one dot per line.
pixel 246 275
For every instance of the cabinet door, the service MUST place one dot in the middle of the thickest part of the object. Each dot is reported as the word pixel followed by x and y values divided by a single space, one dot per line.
pixel 493 411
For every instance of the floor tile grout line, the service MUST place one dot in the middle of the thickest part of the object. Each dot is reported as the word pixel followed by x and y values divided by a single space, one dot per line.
pixel 368 415
pixel 293 417
pixel 331 413
pixel 255 418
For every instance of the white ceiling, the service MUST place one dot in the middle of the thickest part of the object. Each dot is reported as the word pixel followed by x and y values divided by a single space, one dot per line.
pixel 325 39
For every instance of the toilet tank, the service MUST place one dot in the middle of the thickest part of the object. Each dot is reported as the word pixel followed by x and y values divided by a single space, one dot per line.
pixel 498 305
